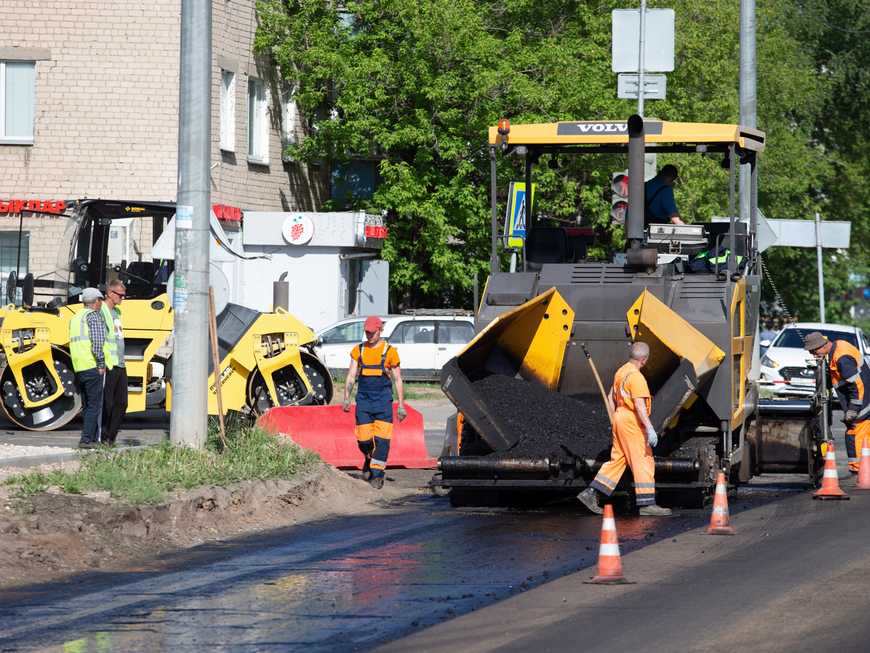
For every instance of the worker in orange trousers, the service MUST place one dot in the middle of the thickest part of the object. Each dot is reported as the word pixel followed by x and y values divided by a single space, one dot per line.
pixel 633 439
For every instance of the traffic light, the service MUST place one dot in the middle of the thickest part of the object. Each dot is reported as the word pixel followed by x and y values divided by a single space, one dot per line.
pixel 619 199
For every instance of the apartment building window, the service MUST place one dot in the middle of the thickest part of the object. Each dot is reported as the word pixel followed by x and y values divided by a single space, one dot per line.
pixel 9 249
pixel 228 111
pixel 288 123
pixel 17 101
pixel 258 126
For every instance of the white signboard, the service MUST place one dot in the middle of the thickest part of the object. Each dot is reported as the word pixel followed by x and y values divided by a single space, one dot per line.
pixel 655 87
pixel 658 53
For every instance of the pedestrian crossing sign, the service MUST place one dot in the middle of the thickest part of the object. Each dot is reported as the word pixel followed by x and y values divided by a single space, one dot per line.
pixel 515 218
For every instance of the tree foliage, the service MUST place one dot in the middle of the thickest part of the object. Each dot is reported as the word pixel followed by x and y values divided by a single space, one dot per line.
pixel 417 83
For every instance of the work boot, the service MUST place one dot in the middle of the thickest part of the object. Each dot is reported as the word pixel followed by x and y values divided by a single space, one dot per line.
pixel 589 498
pixel 367 470
pixel 377 482
pixel 654 511
pixel 849 475
pixel 89 445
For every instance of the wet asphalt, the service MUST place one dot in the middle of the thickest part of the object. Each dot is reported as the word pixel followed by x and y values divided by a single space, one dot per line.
pixel 344 584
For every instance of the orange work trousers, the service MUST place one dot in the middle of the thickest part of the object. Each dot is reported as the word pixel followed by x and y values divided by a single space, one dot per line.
pixel 855 440
pixel 629 448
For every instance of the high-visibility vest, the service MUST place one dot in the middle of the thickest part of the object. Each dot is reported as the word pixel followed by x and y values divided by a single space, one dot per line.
pixel 111 341
pixel 80 343
pixel 621 396
pixel 852 380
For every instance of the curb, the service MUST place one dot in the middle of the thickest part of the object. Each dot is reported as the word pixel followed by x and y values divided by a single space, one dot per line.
pixel 33 461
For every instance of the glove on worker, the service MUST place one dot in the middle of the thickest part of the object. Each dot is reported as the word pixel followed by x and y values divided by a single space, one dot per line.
pixel 850 419
pixel 651 438
pixel 401 413
pixel 345 405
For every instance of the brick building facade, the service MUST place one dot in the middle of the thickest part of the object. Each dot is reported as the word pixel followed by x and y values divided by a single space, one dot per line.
pixel 96 85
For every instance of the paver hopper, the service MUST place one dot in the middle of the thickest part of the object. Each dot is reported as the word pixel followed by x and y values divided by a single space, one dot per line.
pixel 528 341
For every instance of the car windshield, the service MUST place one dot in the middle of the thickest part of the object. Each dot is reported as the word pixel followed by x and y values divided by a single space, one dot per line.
pixel 792 338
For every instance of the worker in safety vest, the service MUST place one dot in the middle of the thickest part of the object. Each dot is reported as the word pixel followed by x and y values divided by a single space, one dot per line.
pixel 115 388
pixel 850 377
pixel 660 206
pixel 633 438
pixel 90 355
pixel 377 363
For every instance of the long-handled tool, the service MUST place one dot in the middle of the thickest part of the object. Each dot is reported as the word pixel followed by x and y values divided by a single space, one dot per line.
pixel 212 331
pixel 598 379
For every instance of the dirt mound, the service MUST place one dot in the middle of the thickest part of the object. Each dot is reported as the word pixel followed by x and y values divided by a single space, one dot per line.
pixel 547 423
pixel 52 534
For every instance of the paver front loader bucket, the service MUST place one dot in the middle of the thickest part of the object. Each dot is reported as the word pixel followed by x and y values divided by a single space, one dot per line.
pixel 329 432
pixel 681 357
pixel 528 341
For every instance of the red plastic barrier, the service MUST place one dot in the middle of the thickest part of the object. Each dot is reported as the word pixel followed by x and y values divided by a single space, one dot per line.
pixel 329 431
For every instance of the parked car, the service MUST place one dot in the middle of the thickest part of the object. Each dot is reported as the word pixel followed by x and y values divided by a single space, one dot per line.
pixel 426 340
pixel 784 364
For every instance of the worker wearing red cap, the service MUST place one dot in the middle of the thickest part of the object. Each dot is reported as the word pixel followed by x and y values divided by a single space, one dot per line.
pixel 378 366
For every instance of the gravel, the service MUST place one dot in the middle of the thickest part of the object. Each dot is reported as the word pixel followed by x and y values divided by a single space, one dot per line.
pixel 548 424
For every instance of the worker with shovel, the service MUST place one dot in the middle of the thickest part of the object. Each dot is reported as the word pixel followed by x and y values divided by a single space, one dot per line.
pixel 378 366
pixel 633 439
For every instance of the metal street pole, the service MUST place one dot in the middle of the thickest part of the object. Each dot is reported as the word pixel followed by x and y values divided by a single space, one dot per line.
pixel 641 63
pixel 748 101
pixel 819 263
pixel 188 422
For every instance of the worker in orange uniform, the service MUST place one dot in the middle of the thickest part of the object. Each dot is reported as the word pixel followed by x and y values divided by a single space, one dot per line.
pixel 850 377
pixel 633 438
pixel 378 366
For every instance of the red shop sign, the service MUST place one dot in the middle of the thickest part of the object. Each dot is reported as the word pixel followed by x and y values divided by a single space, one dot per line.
pixel 34 206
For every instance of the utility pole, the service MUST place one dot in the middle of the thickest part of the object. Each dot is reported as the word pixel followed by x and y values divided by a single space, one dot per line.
pixel 748 100
pixel 188 424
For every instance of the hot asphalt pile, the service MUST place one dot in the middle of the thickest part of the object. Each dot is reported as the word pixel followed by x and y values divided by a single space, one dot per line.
pixel 548 424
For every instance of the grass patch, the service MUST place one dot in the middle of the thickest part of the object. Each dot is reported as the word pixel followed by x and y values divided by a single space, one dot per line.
pixel 148 474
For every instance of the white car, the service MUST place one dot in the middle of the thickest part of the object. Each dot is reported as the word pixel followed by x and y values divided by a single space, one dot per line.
pixel 784 364
pixel 425 341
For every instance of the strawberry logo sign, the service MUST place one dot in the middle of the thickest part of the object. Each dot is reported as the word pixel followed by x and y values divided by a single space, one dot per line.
pixel 298 229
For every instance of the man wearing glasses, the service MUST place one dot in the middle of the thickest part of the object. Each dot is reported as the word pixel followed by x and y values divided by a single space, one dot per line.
pixel 115 391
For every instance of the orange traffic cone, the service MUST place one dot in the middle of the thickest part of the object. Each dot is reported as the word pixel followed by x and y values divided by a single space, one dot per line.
pixel 863 482
pixel 830 482
pixel 609 563
pixel 720 520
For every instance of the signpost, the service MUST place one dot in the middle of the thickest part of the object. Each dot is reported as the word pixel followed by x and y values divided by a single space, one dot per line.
pixel 634 52
pixel 803 233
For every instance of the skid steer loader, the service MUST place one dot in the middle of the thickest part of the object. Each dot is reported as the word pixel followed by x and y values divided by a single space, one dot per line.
pixel 267 359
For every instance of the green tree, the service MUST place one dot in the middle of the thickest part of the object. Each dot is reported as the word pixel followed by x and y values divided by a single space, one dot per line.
pixel 419 82
pixel 835 35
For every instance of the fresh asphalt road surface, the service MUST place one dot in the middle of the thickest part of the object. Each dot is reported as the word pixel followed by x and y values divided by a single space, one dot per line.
pixel 794 579
pixel 506 580
pixel 341 584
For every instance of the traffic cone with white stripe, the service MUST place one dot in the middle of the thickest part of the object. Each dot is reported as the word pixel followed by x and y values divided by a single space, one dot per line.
pixel 720 520
pixel 609 562
pixel 830 482
pixel 863 482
